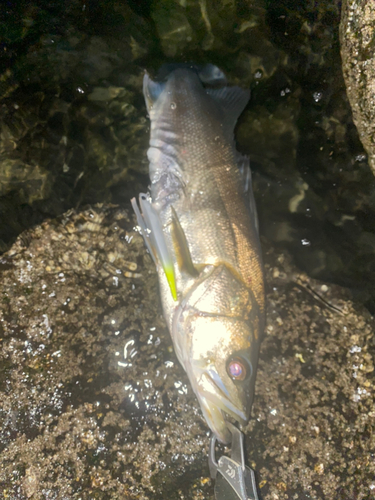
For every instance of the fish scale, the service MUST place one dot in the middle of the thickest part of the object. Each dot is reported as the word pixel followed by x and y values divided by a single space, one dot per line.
pixel 199 223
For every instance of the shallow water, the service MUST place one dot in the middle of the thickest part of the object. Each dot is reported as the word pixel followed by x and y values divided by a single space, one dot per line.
pixel 75 131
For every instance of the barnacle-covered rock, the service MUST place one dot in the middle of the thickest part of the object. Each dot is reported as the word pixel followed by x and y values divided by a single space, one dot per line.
pixel 357 32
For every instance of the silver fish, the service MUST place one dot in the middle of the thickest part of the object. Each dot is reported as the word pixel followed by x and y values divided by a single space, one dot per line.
pixel 200 225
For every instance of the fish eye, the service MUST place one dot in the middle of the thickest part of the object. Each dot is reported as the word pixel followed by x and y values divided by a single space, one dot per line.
pixel 239 369
pixel 173 105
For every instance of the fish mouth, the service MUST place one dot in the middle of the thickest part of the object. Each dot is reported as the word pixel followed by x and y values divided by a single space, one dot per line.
pixel 215 402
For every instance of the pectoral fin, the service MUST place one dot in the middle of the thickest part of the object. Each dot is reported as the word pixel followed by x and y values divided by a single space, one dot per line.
pixel 181 247
pixel 152 232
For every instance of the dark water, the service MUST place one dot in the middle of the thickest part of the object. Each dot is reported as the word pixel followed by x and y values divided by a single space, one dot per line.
pixel 74 126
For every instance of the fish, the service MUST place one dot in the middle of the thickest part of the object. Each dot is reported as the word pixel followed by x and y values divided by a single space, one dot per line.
pixel 200 225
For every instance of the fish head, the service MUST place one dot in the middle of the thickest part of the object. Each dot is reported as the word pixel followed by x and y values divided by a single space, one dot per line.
pixel 222 371
pixel 219 327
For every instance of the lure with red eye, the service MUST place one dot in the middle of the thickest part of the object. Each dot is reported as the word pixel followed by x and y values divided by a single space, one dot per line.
pixel 239 369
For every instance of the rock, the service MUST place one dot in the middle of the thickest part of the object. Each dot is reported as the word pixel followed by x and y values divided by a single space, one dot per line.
pixel 88 377
pixel 314 409
pixel 95 404
pixel 357 31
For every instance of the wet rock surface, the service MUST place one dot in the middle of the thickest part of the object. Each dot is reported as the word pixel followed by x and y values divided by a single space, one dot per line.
pixel 74 128
pixel 92 397
pixel 95 404
pixel 314 408
pixel 357 31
